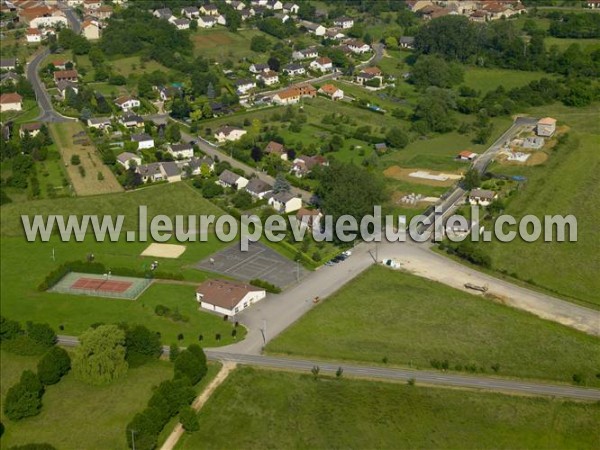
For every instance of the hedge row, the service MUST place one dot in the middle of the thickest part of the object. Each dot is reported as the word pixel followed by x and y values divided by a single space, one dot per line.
pixel 269 287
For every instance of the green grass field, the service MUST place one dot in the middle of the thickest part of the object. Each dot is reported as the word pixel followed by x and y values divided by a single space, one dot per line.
pixel 288 410
pixel 566 184
pixel 77 415
pixel 587 45
pixel 412 321
pixel 25 264
pixel 486 80
pixel 220 44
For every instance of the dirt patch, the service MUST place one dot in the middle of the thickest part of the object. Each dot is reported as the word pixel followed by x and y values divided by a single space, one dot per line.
pixel 164 250
pixel 535 159
pixel 211 40
pixel 90 176
pixel 403 174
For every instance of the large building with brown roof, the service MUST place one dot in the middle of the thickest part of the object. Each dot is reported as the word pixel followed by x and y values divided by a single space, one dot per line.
pixel 228 297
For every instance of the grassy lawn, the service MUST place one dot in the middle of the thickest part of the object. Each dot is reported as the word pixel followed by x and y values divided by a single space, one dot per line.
pixel 77 415
pixel 288 410
pixel 412 321
pixel 169 199
pixel 22 301
pixel 566 184
pixel 486 80
pixel 220 44
pixel 587 45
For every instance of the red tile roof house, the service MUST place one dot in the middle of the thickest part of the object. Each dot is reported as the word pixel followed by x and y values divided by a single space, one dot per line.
pixel 11 102
pixel 276 148
pixel 466 155
pixel 65 75
pixel 228 297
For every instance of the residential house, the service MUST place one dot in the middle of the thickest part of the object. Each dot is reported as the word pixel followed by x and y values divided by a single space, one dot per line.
pixel 593 4
pixel 65 75
pixel 150 172
pixel 274 5
pixel 221 20
pixel 546 127
pixel 308 217
pixel 381 147
pixel 369 73
pixel 128 159
pixel 291 8
pixel 196 165
pixel 482 197
pixel 322 64
pixel 343 22
pixel 303 165
pixel 60 64
pixel 167 92
pixel 498 10
pixel 269 78
pixel 171 171
pixel 32 128
pixel 227 133
pixel 285 202
pixel 9 77
pixel 43 17
pixel 33 35
pixel 258 188
pixel 232 180
pixel 126 103
pixel 11 102
pixel 331 91
pixel 283 17
pixel 246 13
pixel 434 11
pixel 207 22
pixel 98 123
pixel 8 64
pixel 191 12
pixel 313 28
pixel 294 69
pixel 64 86
pixel 228 297
pixel 236 5
pixel 143 140
pixel 181 151
pixel 92 4
pixel 103 13
pixel 209 10
pixel 293 94
pixel 307 53
pixel 407 42
pixel 258 68
pixel 180 24
pixel 334 33
pixel 466 155
pixel 357 46
pixel 275 148
pixel 163 13
pixel 243 86
pixel 131 120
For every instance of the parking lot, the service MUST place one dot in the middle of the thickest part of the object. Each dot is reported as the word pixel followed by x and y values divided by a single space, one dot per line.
pixel 259 262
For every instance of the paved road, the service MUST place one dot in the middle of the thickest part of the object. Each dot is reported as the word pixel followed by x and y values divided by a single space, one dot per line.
pixel 47 111
pixel 455 196
pixel 214 151
pixel 396 374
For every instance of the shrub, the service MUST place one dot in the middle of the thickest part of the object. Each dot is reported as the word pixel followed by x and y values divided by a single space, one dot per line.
pixel 140 340
pixel 75 160
pixel 269 287
pixel 24 399
pixel 9 329
pixel 189 419
pixel 53 365
pixel 41 333
pixel 191 363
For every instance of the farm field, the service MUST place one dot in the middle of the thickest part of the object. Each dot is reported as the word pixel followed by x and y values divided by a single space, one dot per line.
pixel 96 178
pixel 78 415
pixel 221 44
pixel 290 410
pixel 566 184
pixel 412 321
pixel 587 45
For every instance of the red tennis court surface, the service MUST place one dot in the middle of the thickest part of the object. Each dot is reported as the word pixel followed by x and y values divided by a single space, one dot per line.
pixel 95 284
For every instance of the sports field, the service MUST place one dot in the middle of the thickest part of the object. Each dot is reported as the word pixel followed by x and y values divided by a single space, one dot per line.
pixel 283 410
pixel 101 285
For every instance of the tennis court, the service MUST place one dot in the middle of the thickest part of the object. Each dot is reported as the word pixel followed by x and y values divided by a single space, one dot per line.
pixel 104 285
